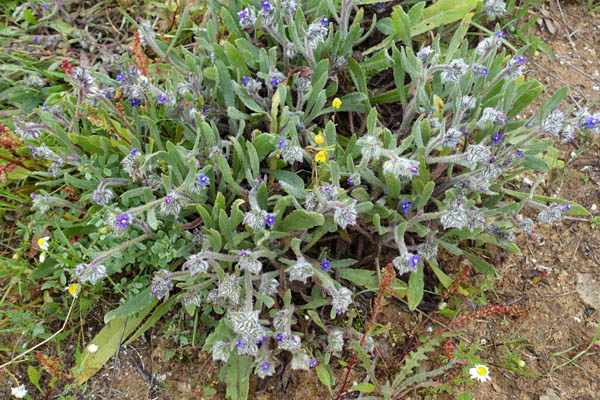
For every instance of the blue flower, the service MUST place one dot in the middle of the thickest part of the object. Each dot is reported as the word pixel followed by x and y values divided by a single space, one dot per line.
pixel 203 179
pixel 313 362
pixel 405 206
pixel 245 79
pixel 279 337
pixel 414 169
pixel 497 138
pixel 414 260
pixel 45 107
pixel 520 60
pixel 324 22
pixel 500 35
pixel 565 207
pixel 239 343
pixel 350 181
pixel 134 102
pixel 325 264
pixel 120 77
pixel 261 340
pixel 379 4
pixel 265 366
pixel 270 220
pixel 266 5
pixel 162 99
pixel 133 151
pixel 463 185
pixel 36 39
pixel 45 5
pixel 282 143
pixel 243 14
pixel 520 154
pixel 275 82
pixel 483 71
pixel 123 221
pixel 591 122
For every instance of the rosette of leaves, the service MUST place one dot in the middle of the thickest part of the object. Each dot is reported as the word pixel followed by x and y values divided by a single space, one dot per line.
pixel 219 178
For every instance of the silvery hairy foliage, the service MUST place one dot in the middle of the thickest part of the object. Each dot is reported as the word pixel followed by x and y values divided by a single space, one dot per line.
pixel 250 176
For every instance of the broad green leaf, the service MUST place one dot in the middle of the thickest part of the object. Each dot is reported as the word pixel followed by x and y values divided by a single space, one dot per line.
pixel 481 265
pixel 364 387
pixel 107 340
pixel 441 13
pixel 236 373
pixel 290 182
pixel 299 220
pixel 360 277
pixel 416 286
pixel 133 305
pixel 324 376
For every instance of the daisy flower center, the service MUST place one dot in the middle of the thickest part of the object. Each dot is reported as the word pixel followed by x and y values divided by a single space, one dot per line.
pixel 481 371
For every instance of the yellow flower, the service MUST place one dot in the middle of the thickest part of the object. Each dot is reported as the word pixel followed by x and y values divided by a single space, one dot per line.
pixel 73 289
pixel 321 156
pixel 336 103
pixel 319 139
pixel 43 242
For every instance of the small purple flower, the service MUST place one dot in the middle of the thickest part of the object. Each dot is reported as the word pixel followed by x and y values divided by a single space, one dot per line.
pixel 45 107
pixel 133 151
pixel 500 35
pixel 242 253
pixel 203 179
pixel 405 206
pixel 45 5
pixel 386 191
pixel 266 5
pixel 483 71
pixel 144 181
pixel 134 102
pixel 243 14
pixel 36 39
pixel 245 79
pixel 162 99
pixel 520 60
pixel 168 200
pixel 313 362
pixel 279 337
pixel 261 340
pixel 414 169
pixel 33 195
pixel 324 22
pixel 350 181
pixel 282 143
pixel 565 207
pixel 270 220
pixel 123 221
pixel 414 260
pixel 379 4
pixel 8 52
pixel 497 138
pixel 591 122
pixel 265 366
pixel 520 154
pixel 463 185
pixel 325 264
pixel 120 77
pixel 239 343
pixel 275 82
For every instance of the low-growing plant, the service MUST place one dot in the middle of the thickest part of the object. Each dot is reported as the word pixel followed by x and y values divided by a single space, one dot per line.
pixel 220 175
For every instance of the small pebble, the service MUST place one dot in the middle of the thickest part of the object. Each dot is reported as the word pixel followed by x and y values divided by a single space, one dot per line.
pixel 594 207
pixel 578 320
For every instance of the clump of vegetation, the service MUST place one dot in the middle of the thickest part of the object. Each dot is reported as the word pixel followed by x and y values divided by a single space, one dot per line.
pixel 245 177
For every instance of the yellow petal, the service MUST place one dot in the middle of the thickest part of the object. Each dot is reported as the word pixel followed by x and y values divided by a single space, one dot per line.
pixel 336 103
pixel 321 156
pixel 319 139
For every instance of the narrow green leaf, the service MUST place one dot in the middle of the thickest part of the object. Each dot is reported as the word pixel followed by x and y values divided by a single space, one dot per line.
pixel 416 286
pixel 482 266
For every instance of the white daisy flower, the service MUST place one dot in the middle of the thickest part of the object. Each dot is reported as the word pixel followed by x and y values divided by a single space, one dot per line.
pixel 43 243
pixel 73 289
pixel 480 372
pixel 19 392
